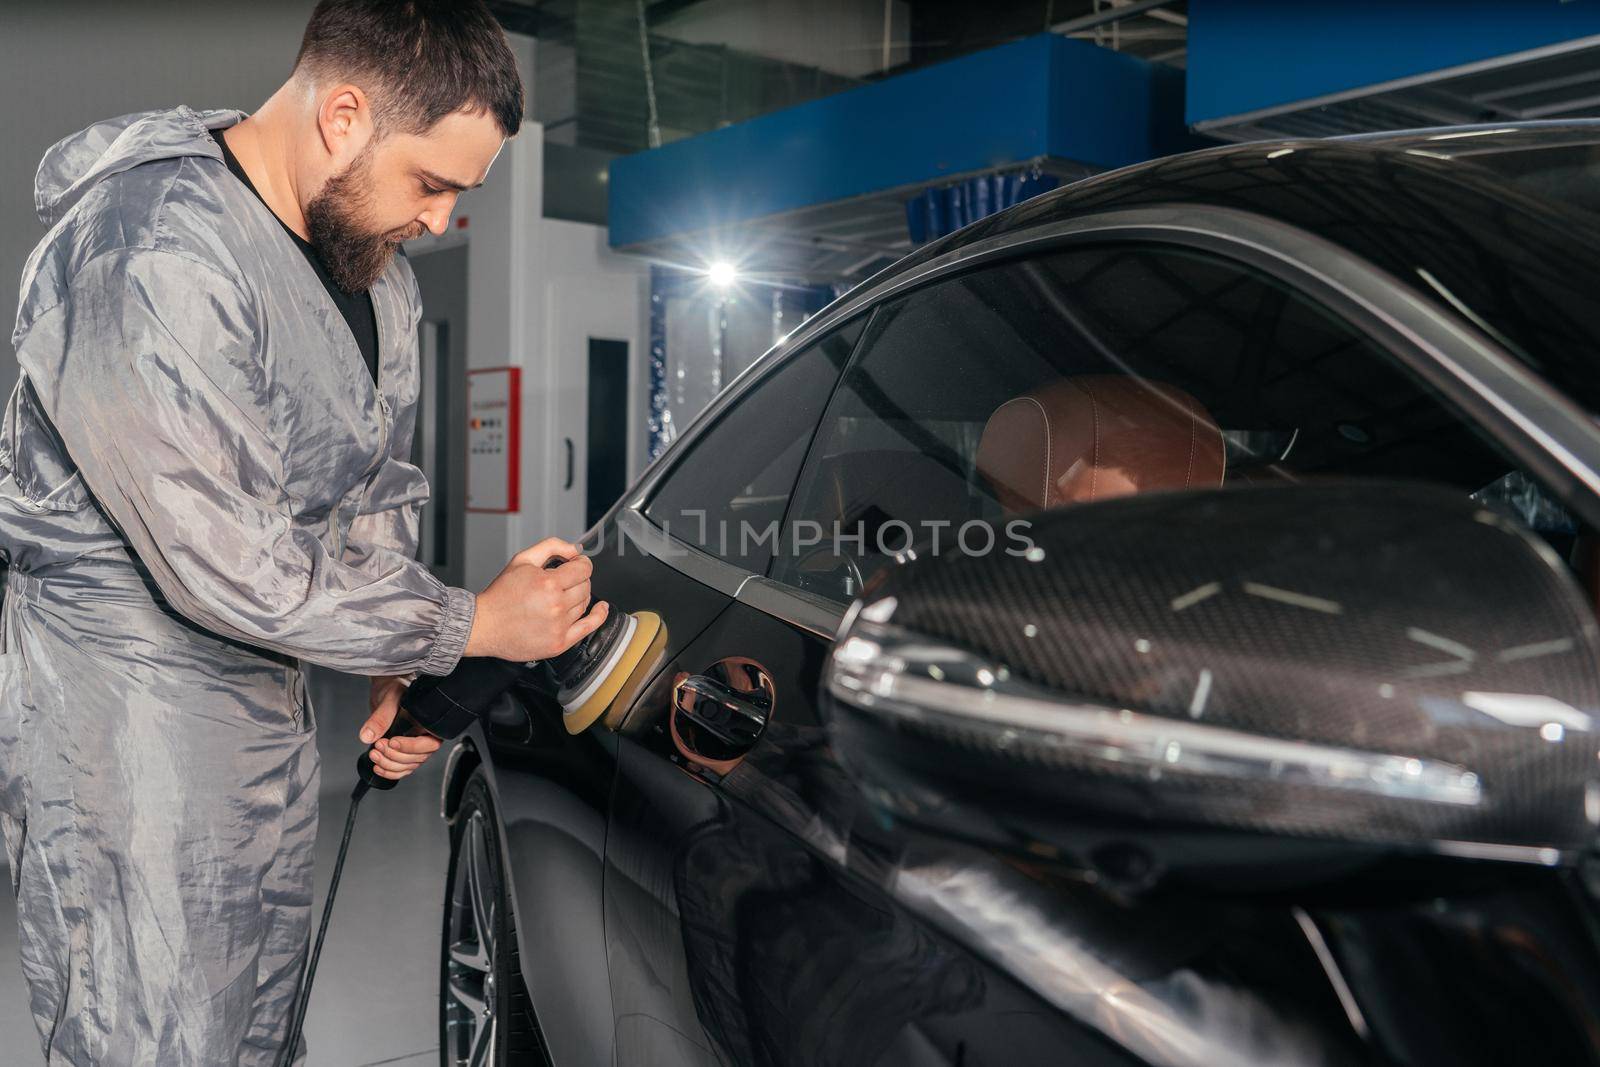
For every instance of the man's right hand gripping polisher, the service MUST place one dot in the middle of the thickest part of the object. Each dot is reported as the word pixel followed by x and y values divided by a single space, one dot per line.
pixel 588 677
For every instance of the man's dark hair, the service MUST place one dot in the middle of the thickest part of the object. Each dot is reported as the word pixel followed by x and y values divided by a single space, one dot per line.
pixel 417 60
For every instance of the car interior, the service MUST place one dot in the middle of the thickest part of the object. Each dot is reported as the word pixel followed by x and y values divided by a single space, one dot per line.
pixel 1096 373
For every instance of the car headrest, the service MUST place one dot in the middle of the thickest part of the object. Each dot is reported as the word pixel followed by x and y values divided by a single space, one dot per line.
pixel 1096 437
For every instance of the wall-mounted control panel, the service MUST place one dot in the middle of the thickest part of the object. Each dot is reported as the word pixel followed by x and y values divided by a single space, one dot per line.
pixel 494 438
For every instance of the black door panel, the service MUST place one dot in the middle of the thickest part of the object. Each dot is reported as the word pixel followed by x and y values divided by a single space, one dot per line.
pixel 651 986
pixel 554 791
pixel 752 909
pixel 554 843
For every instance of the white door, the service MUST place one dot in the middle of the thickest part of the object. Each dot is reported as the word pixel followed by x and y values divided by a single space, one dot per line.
pixel 596 420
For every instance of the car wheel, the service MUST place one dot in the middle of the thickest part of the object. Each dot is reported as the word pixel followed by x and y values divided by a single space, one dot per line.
pixel 485 1015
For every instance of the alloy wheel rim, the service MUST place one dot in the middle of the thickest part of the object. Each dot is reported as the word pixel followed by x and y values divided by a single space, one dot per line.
pixel 470 1022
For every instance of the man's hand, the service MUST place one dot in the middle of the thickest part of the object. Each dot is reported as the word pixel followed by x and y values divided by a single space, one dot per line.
pixel 394 757
pixel 529 613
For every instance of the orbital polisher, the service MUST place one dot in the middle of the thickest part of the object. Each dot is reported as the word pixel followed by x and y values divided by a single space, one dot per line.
pixel 587 678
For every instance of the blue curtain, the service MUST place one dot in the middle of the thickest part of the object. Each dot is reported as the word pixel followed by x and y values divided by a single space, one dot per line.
pixel 936 212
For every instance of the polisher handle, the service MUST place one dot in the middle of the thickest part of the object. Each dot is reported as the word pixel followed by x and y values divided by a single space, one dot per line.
pixel 367 771
pixel 447 706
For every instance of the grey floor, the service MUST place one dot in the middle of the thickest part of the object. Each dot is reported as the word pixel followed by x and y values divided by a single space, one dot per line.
pixel 376 999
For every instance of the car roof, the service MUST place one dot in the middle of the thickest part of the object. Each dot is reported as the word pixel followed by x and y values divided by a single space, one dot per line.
pixel 1419 204
pixel 1502 135
pixel 1319 167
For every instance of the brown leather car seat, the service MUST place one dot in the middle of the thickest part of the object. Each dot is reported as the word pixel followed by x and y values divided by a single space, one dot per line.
pixel 1096 437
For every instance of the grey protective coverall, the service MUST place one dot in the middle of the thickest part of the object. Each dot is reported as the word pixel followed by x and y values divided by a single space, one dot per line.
pixel 199 488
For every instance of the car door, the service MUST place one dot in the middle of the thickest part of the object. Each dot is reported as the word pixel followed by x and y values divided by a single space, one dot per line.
pixel 553 789
pixel 701 821
pixel 711 518
pixel 761 911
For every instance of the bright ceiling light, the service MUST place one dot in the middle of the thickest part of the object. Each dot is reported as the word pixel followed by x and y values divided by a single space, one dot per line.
pixel 722 274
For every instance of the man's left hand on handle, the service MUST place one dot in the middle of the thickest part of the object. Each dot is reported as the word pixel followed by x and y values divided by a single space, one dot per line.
pixel 394 757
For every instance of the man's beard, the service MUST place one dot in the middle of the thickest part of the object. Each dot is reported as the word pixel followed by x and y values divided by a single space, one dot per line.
pixel 354 256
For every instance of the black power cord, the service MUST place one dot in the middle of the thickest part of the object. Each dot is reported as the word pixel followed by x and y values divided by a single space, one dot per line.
pixel 297 1016
pixel 446 707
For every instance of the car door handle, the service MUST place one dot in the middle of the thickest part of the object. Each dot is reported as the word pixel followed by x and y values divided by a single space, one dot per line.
pixel 735 719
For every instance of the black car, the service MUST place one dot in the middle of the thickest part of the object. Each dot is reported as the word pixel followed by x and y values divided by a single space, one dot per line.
pixel 1153 625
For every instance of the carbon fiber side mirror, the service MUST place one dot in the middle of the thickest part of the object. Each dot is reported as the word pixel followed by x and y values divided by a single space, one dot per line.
pixel 1375 667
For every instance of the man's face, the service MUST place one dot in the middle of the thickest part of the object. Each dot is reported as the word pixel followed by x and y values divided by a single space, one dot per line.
pixel 397 187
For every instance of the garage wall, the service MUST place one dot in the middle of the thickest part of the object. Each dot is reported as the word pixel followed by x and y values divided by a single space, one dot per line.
pixel 67 63
pixel 540 288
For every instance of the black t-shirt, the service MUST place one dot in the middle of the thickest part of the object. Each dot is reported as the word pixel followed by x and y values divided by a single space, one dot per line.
pixel 355 307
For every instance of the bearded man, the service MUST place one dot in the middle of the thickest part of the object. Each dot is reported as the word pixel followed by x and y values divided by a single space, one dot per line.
pixel 203 483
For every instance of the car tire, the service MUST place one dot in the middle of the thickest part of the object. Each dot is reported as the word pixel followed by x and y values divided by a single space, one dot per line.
pixel 485 1015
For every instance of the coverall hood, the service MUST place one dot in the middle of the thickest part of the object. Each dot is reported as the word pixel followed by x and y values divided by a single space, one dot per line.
pixel 78 162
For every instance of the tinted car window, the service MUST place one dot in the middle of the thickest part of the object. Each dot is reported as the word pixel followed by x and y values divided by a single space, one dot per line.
pixel 728 494
pixel 1096 373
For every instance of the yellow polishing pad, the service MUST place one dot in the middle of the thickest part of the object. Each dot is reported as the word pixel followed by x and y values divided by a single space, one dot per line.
pixel 623 702
pixel 647 626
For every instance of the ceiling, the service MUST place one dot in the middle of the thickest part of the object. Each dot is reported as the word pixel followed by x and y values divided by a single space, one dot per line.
pixel 700 87
pixel 599 97
pixel 595 93
pixel 1553 85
